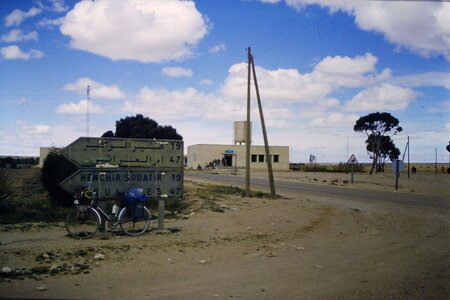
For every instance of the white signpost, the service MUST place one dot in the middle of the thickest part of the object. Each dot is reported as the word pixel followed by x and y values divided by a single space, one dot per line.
pixel 352 161
pixel 113 165
pixel 397 166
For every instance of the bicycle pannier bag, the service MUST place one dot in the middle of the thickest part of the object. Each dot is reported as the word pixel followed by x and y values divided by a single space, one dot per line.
pixel 135 195
pixel 137 210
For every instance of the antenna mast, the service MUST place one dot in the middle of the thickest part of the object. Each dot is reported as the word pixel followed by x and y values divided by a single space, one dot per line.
pixel 87 111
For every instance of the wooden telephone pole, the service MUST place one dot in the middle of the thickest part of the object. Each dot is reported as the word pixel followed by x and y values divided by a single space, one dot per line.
pixel 251 67
pixel 248 138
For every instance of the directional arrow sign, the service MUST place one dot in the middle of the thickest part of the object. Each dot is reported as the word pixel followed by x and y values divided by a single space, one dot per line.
pixel 113 165
pixel 109 182
pixel 125 153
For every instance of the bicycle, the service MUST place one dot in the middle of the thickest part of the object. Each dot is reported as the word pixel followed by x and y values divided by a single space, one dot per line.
pixel 84 220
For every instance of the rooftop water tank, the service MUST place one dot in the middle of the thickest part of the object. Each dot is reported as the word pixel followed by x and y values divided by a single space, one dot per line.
pixel 240 132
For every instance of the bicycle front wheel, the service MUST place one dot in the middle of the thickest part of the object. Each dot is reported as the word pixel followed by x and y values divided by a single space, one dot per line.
pixel 82 222
pixel 134 223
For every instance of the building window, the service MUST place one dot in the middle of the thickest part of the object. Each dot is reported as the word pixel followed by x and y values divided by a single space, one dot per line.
pixel 261 158
pixel 254 156
pixel 276 158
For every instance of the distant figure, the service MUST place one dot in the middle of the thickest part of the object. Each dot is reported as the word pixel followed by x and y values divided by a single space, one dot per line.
pixel 414 170
pixel 199 167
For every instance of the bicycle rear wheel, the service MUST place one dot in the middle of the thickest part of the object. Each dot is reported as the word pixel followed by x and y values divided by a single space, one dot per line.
pixel 132 224
pixel 82 222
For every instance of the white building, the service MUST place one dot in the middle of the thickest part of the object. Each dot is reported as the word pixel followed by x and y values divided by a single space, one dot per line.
pixel 203 155
pixel 234 156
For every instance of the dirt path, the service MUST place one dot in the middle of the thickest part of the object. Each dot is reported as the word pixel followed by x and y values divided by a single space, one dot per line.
pixel 291 248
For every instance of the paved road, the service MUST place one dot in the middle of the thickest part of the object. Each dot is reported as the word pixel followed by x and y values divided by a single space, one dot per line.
pixel 337 194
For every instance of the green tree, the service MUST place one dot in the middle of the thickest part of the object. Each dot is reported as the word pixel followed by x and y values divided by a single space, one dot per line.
pixel 55 169
pixel 378 127
pixel 141 127
pixel 387 150
pixel 107 134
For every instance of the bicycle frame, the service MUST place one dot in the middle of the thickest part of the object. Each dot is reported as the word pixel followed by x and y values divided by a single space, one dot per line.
pixel 112 222
pixel 90 202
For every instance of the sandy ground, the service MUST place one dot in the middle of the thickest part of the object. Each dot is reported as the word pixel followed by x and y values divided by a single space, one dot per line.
pixel 292 248
pixel 421 183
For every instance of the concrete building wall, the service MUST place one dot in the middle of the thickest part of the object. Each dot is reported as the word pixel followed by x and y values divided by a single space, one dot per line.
pixel 234 155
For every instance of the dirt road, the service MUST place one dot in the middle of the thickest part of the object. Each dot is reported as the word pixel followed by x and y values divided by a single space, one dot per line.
pixel 294 248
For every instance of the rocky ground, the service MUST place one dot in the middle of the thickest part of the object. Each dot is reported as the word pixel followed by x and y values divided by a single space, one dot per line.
pixel 225 246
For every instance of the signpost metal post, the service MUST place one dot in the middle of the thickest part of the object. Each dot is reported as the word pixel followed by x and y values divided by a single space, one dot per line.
pixel 113 165
pixel 352 160
pixel 398 166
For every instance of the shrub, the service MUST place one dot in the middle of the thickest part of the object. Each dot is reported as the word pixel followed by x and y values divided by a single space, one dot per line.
pixel 8 162
pixel 56 168
pixel 347 168
pixel 314 168
pixel 6 202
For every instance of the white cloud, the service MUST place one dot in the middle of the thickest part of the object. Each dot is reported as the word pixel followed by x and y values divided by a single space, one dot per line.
pixel 187 103
pixel 197 133
pixel 58 6
pixel 97 90
pixel 23 138
pixel 334 119
pixel 349 72
pixel 271 1
pixel 289 85
pixel 218 48
pixel 165 104
pixel 177 72
pixel 347 66
pixel 275 85
pixel 17 16
pixel 443 107
pixel 16 35
pixel 50 23
pixel 422 27
pixel 38 129
pixel 145 31
pixel 447 127
pixel 437 79
pixel 14 52
pixel 206 82
pixel 79 108
pixel 384 97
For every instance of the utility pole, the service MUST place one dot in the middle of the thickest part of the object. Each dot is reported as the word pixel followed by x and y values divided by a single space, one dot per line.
pixel 347 146
pixel 266 142
pixel 87 111
pixel 404 153
pixel 248 139
pixel 435 164
pixel 409 168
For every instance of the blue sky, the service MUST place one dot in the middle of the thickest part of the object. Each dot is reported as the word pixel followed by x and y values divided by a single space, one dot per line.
pixel 320 65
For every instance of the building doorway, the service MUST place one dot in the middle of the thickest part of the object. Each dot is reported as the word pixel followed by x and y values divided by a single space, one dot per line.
pixel 228 160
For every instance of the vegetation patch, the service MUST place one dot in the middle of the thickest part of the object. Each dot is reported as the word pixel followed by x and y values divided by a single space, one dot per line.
pixel 206 191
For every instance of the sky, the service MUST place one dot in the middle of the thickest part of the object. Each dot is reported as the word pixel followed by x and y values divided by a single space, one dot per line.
pixel 320 66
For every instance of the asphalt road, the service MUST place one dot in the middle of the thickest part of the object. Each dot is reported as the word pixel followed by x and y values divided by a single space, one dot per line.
pixel 331 193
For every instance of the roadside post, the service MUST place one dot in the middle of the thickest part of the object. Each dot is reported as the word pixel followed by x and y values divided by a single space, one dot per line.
pixel 398 166
pixel 113 165
pixel 352 161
